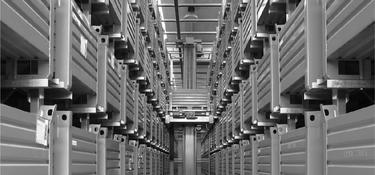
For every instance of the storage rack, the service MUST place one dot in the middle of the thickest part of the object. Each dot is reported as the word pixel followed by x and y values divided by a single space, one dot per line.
pixel 288 71
pixel 85 68
pixel 292 86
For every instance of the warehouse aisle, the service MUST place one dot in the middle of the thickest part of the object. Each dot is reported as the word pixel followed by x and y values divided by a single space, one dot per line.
pixel 187 87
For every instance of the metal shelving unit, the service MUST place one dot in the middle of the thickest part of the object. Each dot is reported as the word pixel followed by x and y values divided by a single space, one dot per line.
pixel 93 87
pixel 87 71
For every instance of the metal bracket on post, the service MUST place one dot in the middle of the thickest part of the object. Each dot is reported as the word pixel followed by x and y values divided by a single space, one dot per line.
pixel 292 120
pixel 328 111
pixel 85 122
pixel 43 123
pixel 118 138
pixel 94 128
pixel 339 98
pixel 36 99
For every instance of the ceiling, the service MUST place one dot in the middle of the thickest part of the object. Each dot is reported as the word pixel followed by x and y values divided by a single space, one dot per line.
pixel 201 28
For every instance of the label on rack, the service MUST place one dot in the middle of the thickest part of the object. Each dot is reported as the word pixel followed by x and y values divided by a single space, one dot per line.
pixel 42 130
pixel 83 46
pixel 74 142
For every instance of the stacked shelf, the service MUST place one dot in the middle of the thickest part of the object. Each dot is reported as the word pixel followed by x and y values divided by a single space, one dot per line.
pixel 90 59
pixel 23 128
pixel 35 31
pixel 277 66
pixel 355 124
pixel 78 70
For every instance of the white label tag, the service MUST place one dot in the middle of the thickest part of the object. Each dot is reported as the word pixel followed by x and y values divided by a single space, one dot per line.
pixel 42 126
pixel 113 62
pixel 84 46
pixel 74 142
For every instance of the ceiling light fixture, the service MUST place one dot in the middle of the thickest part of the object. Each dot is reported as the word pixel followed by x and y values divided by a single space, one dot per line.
pixel 191 13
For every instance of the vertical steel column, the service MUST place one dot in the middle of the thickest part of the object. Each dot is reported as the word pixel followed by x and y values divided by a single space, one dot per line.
pixel 135 158
pixel 189 156
pixel 190 67
pixel 254 147
pixel 291 122
pixel 171 149
pixel 185 75
pixel 85 122
pixel 314 24
pixel 242 157
pixel 274 151
pixel 275 75
pixel 102 151
pixel 339 99
pixel 314 149
pixel 177 14
pixel 171 143
pixel 254 95
pixel 123 155
pixel 62 151
pixel 275 147
pixel 193 65
pixel 171 168
pixel 36 99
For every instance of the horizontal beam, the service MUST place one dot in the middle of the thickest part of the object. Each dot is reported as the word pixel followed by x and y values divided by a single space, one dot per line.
pixel 203 43
pixel 188 110
pixel 205 52
pixel 191 5
pixel 193 33
pixel 199 119
pixel 190 20
pixel 198 60
pixel 194 91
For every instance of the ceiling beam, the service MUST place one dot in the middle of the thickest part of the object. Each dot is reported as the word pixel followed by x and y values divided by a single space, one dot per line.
pixel 190 20
pixel 176 7
pixel 198 60
pixel 204 52
pixel 193 33
pixel 203 43
pixel 177 15
pixel 192 5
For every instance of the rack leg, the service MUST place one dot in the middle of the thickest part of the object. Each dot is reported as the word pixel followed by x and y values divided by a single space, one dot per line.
pixel 339 99
pixel 36 99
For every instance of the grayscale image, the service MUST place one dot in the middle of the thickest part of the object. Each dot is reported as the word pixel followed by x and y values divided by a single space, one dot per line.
pixel 187 87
